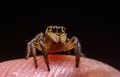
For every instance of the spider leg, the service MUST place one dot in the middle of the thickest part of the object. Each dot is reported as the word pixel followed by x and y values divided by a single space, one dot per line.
pixel 45 54
pixel 77 50
pixel 74 43
pixel 31 47
pixel 28 50
pixel 34 55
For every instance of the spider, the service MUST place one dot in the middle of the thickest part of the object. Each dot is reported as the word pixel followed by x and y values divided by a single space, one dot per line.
pixel 54 40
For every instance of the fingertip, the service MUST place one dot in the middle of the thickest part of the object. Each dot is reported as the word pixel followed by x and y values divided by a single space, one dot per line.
pixel 60 66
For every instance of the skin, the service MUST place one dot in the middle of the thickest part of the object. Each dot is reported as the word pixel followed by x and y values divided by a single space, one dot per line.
pixel 61 66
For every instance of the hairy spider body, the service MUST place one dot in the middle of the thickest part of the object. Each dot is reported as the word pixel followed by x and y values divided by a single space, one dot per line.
pixel 53 40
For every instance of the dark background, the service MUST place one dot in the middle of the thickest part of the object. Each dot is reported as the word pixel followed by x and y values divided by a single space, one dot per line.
pixel 96 27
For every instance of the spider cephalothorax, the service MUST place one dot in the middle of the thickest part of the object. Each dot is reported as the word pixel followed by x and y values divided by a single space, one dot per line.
pixel 56 33
pixel 53 40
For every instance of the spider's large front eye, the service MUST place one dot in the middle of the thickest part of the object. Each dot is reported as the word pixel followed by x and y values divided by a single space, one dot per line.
pixel 54 29
pixel 59 30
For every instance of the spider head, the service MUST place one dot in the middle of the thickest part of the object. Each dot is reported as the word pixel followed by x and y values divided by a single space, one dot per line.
pixel 56 33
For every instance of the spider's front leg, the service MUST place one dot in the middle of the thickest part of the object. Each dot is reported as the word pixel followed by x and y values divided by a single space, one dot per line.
pixel 74 43
pixel 45 54
pixel 77 50
pixel 31 47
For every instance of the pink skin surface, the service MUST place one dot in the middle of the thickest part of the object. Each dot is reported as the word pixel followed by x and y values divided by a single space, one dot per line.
pixel 60 65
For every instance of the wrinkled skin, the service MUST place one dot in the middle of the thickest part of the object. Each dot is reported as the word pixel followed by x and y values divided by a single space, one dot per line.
pixel 61 66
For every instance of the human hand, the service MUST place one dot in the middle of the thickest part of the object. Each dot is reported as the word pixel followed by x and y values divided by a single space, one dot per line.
pixel 60 65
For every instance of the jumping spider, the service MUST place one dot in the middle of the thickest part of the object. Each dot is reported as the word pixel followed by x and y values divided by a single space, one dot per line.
pixel 53 40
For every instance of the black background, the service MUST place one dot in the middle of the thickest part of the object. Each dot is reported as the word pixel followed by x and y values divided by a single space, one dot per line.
pixel 96 27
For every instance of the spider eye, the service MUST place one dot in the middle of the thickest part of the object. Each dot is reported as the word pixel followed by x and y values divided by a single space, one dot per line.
pixel 53 29
pixel 59 30
pixel 49 28
pixel 63 29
